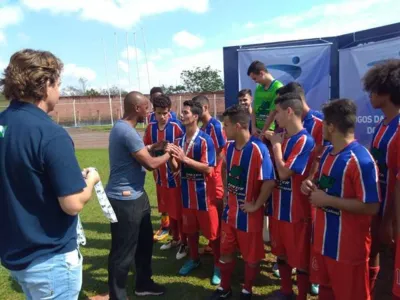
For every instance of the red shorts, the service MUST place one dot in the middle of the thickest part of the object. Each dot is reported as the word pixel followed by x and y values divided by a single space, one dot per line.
pixel 170 201
pixel 396 281
pixel 198 220
pixel 250 244
pixel 348 282
pixel 291 240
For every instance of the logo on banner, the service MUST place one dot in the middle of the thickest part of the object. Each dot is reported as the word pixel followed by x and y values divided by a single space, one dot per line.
pixel 292 70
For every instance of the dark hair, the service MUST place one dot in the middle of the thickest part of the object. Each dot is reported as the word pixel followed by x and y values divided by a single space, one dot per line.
pixel 244 92
pixel 291 100
pixel 384 78
pixel 162 101
pixel 201 99
pixel 291 87
pixel 341 113
pixel 195 107
pixel 256 67
pixel 155 90
pixel 238 114
pixel 27 74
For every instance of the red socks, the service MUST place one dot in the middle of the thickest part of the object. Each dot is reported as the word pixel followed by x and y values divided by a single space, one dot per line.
pixel 181 233
pixel 250 274
pixel 325 293
pixel 303 285
pixel 285 272
pixel 216 246
pixel 173 224
pixel 373 275
pixel 193 240
pixel 226 274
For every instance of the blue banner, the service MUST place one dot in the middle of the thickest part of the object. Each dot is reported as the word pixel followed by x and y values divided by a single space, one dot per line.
pixel 353 64
pixel 309 65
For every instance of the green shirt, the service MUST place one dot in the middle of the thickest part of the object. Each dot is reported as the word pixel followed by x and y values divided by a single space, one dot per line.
pixel 264 103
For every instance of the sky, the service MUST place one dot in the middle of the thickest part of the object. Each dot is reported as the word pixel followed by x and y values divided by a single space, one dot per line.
pixel 93 38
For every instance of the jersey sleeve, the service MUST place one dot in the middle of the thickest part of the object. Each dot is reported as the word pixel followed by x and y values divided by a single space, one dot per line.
pixel 220 135
pixel 317 135
pixel 365 180
pixel 147 135
pixel 266 172
pixel 300 155
pixel 208 154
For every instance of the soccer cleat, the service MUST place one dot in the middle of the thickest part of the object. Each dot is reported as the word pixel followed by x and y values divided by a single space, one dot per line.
pixel 161 234
pixel 182 252
pixel 170 244
pixel 275 271
pixel 221 294
pixel 314 289
pixel 189 266
pixel 152 289
pixel 216 278
pixel 245 295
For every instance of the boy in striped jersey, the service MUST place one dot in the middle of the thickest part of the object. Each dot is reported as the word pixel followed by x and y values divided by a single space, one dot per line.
pixel 249 182
pixel 165 130
pixel 346 196
pixel 195 156
pixel 383 85
pixel 246 99
pixel 214 129
pixel 155 92
pixel 290 224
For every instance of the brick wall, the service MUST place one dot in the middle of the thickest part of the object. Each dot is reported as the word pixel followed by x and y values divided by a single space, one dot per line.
pixel 96 110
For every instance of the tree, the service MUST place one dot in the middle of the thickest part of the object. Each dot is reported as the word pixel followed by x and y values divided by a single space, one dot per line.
pixel 202 80
pixel 114 91
pixel 92 93
pixel 71 91
pixel 83 82
pixel 173 89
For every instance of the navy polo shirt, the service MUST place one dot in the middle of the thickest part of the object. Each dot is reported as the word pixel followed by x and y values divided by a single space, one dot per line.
pixel 37 165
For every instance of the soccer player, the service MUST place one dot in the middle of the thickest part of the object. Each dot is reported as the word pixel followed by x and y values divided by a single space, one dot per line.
pixel 249 182
pixel 166 130
pixel 264 98
pixel 214 129
pixel 194 155
pixel 291 212
pixel 382 82
pixel 155 92
pixel 245 98
pixel 346 195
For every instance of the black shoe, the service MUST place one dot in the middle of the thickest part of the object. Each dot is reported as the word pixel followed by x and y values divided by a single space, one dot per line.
pixel 245 296
pixel 152 289
pixel 221 294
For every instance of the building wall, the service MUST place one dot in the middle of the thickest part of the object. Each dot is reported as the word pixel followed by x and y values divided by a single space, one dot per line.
pixel 96 110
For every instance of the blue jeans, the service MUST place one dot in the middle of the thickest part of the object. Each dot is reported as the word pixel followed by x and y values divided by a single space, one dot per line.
pixel 52 277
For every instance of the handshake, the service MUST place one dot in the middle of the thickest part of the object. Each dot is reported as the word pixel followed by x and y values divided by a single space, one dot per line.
pixel 172 149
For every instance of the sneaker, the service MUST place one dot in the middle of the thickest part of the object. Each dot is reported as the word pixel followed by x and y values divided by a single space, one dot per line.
pixel 314 289
pixel 161 234
pixel 153 289
pixel 245 295
pixel 216 278
pixel 275 271
pixel 170 244
pixel 189 266
pixel 182 252
pixel 221 294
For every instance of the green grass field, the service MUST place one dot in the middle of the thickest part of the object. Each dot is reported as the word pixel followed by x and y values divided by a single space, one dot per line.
pixel 165 266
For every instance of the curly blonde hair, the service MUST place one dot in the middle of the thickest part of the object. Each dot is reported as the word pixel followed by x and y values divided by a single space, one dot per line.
pixel 27 74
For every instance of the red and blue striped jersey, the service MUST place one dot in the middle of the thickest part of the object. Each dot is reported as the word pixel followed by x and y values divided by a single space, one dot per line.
pixel 384 150
pixel 288 203
pixel 163 176
pixel 246 170
pixel 215 130
pixel 350 174
pixel 151 117
pixel 196 188
pixel 313 123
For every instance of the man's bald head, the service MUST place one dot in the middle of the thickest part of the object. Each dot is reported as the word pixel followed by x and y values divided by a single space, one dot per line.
pixel 135 103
